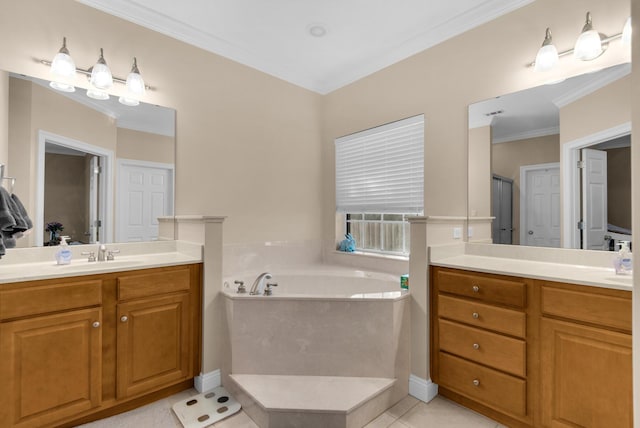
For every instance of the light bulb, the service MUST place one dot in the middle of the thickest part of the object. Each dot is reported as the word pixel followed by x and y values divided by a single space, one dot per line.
pixel 62 64
pixel 135 82
pixel 97 94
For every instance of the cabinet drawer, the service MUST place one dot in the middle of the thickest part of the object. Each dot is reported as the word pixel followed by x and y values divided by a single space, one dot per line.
pixel 483 287
pixel 609 311
pixel 495 389
pixel 152 284
pixel 504 353
pixel 481 315
pixel 48 297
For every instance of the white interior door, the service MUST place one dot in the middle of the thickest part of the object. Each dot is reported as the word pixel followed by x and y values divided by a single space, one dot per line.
pixel 540 206
pixel 502 210
pixel 594 199
pixel 145 192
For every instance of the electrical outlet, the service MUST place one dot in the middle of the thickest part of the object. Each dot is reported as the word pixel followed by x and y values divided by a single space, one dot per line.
pixel 457 232
pixel 469 231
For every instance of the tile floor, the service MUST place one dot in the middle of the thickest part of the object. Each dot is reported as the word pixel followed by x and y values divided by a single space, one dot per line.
pixel 408 413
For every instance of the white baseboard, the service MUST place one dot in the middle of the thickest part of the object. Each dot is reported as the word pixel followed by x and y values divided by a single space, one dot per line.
pixel 422 389
pixel 207 381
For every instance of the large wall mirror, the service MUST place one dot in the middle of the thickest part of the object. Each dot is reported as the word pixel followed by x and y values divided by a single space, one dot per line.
pixel 551 165
pixel 102 170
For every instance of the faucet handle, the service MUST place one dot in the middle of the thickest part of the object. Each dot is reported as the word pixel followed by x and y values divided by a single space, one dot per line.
pixel 91 254
pixel 241 288
pixel 110 254
pixel 268 291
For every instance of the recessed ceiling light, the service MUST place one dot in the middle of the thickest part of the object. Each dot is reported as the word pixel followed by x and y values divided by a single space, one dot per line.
pixel 317 30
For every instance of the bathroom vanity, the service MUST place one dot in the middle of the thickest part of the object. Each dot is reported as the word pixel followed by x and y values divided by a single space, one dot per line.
pixel 82 347
pixel 532 352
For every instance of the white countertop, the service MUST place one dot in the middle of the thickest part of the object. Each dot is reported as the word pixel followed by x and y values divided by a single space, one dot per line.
pixel 560 272
pixel 136 256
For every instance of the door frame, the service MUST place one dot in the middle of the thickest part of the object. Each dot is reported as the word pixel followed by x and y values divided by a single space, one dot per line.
pixel 523 193
pixel 106 182
pixel 121 162
pixel 570 180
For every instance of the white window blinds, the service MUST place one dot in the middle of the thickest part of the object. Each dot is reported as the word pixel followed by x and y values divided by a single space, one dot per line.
pixel 381 170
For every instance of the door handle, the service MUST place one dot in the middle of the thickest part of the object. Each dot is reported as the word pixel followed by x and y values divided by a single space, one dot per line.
pixel 530 232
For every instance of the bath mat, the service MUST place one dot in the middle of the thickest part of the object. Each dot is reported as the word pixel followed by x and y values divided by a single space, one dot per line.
pixel 206 409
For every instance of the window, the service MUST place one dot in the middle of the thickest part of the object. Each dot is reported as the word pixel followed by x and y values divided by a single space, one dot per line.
pixel 380 182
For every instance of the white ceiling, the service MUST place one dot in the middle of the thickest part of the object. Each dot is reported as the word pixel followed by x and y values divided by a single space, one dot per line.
pixel 534 112
pixel 362 36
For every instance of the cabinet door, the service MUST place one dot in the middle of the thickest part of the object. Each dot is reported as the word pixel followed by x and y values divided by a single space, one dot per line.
pixel 586 376
pixel 50 366
pixel 154 343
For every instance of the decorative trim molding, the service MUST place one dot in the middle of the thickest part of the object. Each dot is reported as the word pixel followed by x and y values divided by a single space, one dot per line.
pixel 207 381
pixel 533 133
pixel 133 12
pixel 422 389
pixel 199 219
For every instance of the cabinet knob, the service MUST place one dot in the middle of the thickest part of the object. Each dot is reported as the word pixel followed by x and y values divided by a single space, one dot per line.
pixel 475 289
pixel 475 315
pixel 476 382
pixel 476 346
pixel 124 318
pixel 96 324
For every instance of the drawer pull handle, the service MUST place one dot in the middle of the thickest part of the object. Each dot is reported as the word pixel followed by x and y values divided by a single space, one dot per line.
pixel 124 318
pixel 475 289
pixel 96 324
pixel 476 346
pixel 475 315
pixel 476 382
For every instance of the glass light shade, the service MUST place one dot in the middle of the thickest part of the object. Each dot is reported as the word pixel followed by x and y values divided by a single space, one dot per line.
pixel 131 102
pixel 101 76
pixel 588 46
pixel 135 84
pixel 626 32
pixel 63 87
pixel 547 58
pixel 63 65
pixel 97 94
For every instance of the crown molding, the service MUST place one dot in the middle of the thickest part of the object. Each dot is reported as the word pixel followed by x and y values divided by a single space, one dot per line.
pixel 533 133
pixel 166 25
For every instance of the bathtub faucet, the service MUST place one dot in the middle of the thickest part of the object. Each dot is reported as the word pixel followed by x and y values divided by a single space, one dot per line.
pixel 258 284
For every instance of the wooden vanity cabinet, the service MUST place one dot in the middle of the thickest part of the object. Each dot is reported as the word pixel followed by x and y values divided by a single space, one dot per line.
pixel 555 354
pixel 50 350
pixel 67 355
pixel 586 356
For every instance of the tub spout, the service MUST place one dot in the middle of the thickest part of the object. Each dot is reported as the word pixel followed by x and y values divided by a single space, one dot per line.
pixel 258 284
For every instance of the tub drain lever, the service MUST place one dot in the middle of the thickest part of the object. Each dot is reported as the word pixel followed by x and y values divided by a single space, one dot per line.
pixel 268 291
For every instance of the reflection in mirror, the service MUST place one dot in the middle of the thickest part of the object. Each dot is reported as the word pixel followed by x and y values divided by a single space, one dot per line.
pixel 95 171
pixel 550 166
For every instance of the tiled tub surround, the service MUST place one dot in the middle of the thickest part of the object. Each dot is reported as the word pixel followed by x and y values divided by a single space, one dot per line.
pixel 338 338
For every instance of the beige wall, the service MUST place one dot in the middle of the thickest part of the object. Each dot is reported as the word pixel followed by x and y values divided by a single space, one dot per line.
pixel 507 158
pixel 4 118
pixel 248 144
pixel 145 146
pixel 441 82
pixel 480 171
pixel 619 186
pixel 603 109
pixel 35 108
pixel 66 199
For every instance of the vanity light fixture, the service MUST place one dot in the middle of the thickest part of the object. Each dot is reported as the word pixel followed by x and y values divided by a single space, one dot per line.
pixel 64 70
pixel 63 67
pixel 589 45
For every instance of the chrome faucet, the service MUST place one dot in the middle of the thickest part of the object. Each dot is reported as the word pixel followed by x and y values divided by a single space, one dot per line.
pixel 258 284
pixel 101 252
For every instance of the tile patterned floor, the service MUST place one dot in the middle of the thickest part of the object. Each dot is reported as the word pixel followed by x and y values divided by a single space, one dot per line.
pixel 408 413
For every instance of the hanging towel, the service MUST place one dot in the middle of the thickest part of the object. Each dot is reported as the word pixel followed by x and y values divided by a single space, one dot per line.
pixel 13 220
pixel 22 211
